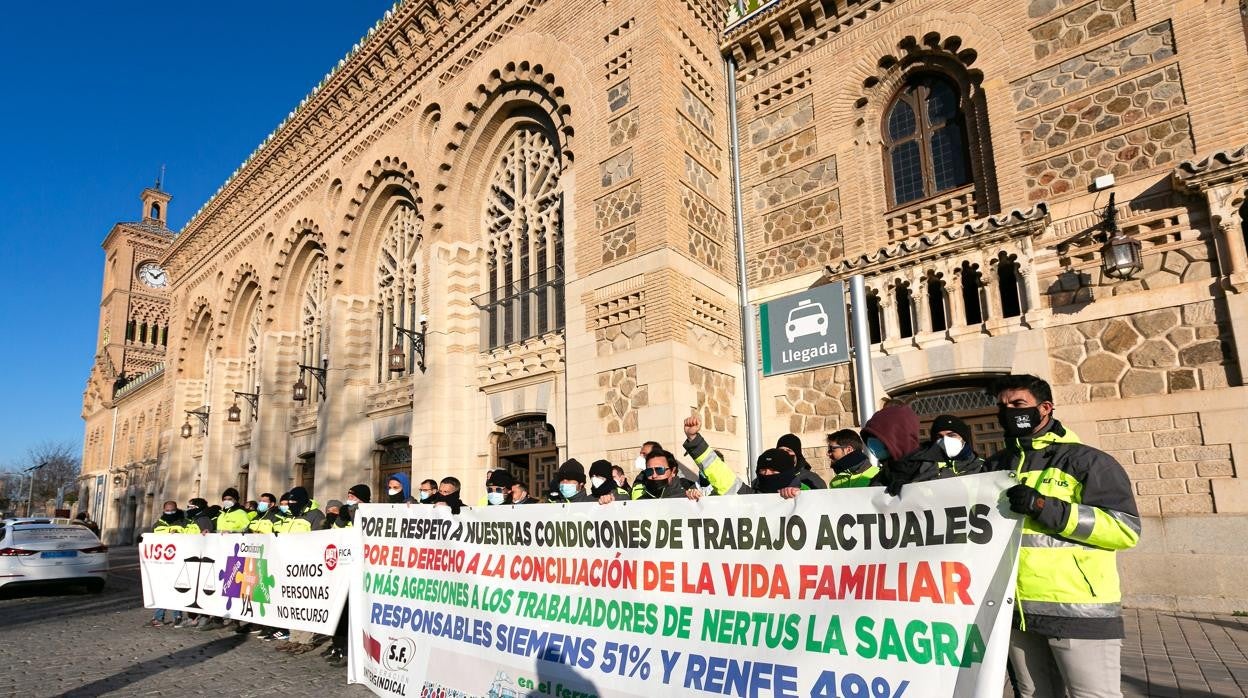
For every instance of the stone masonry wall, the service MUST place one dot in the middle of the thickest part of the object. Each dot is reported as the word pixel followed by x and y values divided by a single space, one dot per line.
pixel 622 397
pixel 1152 353
pixel 1168 460
pixel 1080 25
pixel 818 401
pixel 715 398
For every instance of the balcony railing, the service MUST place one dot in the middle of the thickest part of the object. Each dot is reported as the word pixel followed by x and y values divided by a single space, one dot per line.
pixel 127 387
pixel 524 309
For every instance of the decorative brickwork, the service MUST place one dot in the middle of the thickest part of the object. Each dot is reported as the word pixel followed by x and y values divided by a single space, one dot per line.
pixel 711 327
pixel 797 257
pixel 818 401
pixel 788 119
pixel 696 174
pixel 698 112
pixel 706 250
pixel 789 151
pixel 619 243
pixel 621 399
pixel 622 130
pixel 618 206
pixel 703 214
pixel 619 96
pixel 803 217
pixel 1137 151
pixel 617 169
pixel 1168 460
pixel 797 183
pixel 699 144
pixel 1124 104
pixel 619 323
pixel 784 89
pixel 1094 67
pixel 715 397
pixel 1080 25
pixel 1152 353
pixel 1040 8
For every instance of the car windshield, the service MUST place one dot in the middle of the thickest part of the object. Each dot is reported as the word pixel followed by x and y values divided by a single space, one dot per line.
pixel 805 311
pixel 23 535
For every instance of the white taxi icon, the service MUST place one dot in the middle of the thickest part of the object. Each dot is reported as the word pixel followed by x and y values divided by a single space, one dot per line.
pixel 806 319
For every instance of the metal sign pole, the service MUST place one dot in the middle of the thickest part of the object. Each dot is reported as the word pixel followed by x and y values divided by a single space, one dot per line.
pixel 863 380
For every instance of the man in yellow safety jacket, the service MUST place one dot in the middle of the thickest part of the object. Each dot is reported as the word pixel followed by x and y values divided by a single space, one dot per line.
pixel 1079 511
pixel 233 518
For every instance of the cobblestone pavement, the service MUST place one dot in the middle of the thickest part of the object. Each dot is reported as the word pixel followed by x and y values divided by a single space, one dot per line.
pixel 70 643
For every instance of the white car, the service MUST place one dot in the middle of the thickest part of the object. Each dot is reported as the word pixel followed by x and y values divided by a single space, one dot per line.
pixel 36 552
pixel 807 318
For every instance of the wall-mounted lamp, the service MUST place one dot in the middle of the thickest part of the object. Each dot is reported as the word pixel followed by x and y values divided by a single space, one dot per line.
pixel 202 415
pixel 1121 257
pixel 234 414
pixel 301 388
pixel 398 360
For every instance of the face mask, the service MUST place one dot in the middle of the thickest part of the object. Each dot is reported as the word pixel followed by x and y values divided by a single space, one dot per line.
pixel 640 462
pixel 567 490
pixel 227 504
pixel 262 507
pixel 655 487
pixel 951 445
pixel 877 452
pixel 619 480
pixel 330 518
pixel 394 490
pixel 770 484
pixel 191 511
pixel 424 495
pixel 284 509
pixel 495 498
pixel 596 482
pixel 170 514
pixel 1018 422
pixel 352 502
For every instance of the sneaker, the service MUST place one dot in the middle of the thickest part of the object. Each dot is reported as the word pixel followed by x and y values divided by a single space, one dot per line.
pixel 267 635
pixel 153 623
pixel 184 623
pixel 242 628
pixel 259 630
pixel 339 661
pixel 281 635
pixel 329 651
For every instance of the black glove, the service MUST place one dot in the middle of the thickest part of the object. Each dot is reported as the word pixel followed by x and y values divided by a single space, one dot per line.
pixel 1049 512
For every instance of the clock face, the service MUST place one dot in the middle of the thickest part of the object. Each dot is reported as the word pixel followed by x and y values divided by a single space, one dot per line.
pixel 152 275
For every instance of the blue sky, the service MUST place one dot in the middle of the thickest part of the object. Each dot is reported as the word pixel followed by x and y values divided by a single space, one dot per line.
pixel 99 96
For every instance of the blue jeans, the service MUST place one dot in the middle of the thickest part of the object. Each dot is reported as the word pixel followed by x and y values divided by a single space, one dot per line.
pixel 160 615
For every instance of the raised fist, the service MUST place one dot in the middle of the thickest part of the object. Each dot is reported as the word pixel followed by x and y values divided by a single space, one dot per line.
pixel 692 426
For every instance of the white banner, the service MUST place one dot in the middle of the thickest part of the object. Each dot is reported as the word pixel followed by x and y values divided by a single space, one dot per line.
pixel 294 581
pixel 842 593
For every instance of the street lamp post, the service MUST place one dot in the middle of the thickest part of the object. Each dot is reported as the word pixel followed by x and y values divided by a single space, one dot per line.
pixel 30 493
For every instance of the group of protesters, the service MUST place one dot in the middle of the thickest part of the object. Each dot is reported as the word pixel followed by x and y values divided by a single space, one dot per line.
pixel 1077 503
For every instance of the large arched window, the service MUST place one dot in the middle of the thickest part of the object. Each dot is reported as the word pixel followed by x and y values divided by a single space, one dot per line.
pixel 252 353
pixel 524 219
pixel 398 291
pixel 312 319
pixel 925 140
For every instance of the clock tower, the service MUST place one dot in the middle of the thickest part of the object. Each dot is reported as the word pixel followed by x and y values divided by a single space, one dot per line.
pixel 134 303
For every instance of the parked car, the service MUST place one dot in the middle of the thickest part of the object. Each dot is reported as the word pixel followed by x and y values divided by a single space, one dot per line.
pixel 38 552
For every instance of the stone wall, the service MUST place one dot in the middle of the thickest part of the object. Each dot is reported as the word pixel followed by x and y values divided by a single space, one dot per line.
pixel 1168 460
pixel 1081 24
pixel 818 401
pixel 715 397
pixel 618 206
pixel 1151 353
pixel 622 397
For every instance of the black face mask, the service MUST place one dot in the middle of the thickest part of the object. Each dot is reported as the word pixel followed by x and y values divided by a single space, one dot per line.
pixel 330 518
pixel 169 515
pixel 655 487
pixel 1018 422
pixel 191 512
pixel 770 484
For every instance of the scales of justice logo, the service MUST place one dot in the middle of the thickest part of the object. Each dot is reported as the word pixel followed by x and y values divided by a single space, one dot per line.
pixel 244 578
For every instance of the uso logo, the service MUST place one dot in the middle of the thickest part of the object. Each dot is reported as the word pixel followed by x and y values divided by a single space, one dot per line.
pixel 331 556
pixel 160 551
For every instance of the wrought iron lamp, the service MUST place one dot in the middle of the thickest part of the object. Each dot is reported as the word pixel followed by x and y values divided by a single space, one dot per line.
pixel 397 358
pixel 1121 257
pixel 202 415
pixel 301 388
pixel 234 414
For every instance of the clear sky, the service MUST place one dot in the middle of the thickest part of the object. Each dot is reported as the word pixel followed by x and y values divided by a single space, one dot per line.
pixel 98 95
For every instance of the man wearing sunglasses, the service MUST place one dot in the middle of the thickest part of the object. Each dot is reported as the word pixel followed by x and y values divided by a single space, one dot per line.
pixel 659 478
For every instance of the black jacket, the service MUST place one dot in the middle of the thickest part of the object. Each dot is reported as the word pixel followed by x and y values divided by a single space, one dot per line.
pixel 927 463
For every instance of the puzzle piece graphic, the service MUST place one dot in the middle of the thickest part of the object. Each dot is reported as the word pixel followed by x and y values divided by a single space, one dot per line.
pixel 231 577
pixel 257 583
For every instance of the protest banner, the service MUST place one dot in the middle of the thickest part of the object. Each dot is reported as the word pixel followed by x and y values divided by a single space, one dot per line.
pixel 293 581
pixel 840 593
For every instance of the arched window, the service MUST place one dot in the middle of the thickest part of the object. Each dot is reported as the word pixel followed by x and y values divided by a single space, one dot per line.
pixel 905 311
pixel 875 316
pixel 936 309
pixel 524 219
pixel 970 294
pixel 156 211
pixel 398 291
pixel 312 320
pixel 925 140
pixel 1008 287
pixel 1243 210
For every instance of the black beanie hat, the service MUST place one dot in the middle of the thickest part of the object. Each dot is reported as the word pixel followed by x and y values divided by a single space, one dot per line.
pixel 777 460
pixel 600 468
pixel 362 492
pixel 571 470
pixel 499 478
pixel 790 441
pixel 199 502
pixel 298 494
pixel 946 422
pixel 231 493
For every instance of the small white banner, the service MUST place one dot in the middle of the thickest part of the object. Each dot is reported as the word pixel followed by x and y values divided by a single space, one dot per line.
pixel 296 581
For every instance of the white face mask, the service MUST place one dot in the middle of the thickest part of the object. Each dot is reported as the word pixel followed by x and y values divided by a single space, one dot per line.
pixel 227 503
pixel 496 498
pixel 640 462
pixel 395 490
pixel 352 502
pixel 596 482
pixel 951 445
